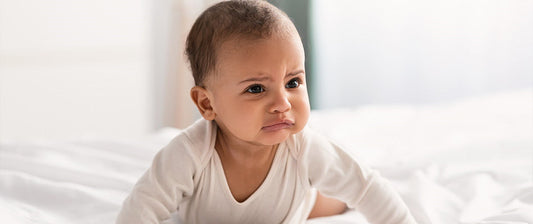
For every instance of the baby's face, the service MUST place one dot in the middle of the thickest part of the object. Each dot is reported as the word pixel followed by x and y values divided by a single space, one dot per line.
pixel 259 92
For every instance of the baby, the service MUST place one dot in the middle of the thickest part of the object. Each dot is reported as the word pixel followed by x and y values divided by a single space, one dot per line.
pixel 251 158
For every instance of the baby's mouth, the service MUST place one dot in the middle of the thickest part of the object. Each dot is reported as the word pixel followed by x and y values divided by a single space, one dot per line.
pixel 278 125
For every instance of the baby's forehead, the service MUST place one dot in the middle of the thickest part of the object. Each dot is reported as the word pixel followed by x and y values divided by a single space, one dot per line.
pixel 238 41
pixel 250 45
pixel 259 56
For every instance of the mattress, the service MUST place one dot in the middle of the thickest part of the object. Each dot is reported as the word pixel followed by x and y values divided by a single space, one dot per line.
pixel 466 161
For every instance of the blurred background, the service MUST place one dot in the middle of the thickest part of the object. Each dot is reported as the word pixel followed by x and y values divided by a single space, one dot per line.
pixel 116 68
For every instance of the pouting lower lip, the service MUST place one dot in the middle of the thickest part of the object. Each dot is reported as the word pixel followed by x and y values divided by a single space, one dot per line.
pixel 278 126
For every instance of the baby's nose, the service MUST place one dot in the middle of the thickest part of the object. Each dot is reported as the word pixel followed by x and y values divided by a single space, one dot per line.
pixel 280 103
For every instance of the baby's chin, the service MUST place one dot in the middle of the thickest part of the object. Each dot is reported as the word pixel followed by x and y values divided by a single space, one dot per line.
pixel 278 137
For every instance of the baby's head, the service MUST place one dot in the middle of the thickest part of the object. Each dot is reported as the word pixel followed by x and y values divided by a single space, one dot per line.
pixel 247 61
pixel 229 20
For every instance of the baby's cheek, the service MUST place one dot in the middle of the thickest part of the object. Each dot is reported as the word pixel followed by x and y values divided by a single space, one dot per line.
pixel 302 117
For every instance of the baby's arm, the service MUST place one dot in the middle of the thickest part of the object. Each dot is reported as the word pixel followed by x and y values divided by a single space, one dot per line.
pixel 162 187
pixel 336 174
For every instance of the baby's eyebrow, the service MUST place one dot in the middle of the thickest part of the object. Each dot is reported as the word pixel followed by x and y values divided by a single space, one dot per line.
pixel 297 72
pixel 255 79
pixel 263 78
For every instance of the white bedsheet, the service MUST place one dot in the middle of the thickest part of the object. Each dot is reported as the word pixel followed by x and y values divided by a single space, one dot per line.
pixel 469 161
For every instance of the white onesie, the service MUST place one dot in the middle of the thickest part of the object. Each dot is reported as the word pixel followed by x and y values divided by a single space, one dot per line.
pixel 187 176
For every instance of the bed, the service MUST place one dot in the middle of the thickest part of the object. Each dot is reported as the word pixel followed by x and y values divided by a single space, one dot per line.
pixel 465 161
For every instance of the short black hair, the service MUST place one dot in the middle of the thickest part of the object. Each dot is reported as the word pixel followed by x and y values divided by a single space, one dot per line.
pixel 231 19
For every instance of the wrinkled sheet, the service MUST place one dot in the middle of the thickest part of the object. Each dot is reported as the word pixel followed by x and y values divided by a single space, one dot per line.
pixel 467 161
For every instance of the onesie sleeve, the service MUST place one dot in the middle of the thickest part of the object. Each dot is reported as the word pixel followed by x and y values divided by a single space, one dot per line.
pixel 162 187
pixel 337 174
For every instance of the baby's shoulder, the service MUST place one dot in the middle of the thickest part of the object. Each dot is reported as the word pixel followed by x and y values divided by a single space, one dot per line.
pixel 195 141
pixel 307 141
pixel 314 145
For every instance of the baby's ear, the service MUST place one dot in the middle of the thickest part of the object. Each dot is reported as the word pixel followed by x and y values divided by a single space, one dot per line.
pixel 200 97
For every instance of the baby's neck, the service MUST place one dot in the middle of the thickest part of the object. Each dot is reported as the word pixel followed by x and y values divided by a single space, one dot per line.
pixel 242 153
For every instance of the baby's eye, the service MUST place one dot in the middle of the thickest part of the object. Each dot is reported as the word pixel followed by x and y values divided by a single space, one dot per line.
pixel 294 83
pixel 255 89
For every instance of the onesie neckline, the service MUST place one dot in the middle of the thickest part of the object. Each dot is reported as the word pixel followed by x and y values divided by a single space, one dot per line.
pixel 271 172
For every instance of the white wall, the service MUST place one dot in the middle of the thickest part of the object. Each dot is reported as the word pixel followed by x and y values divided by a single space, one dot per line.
pixel 74 68
pixel 172 21
pixel 381 52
